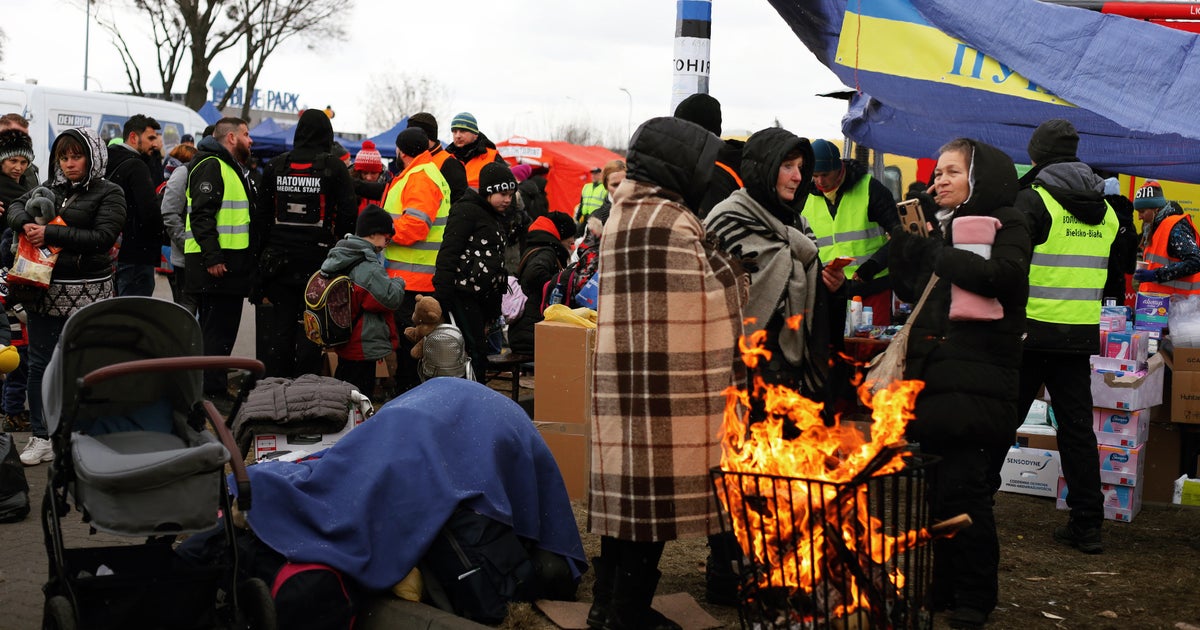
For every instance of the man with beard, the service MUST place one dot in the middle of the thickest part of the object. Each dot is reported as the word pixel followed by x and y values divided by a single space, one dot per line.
pixel 141 240
pixel 217 240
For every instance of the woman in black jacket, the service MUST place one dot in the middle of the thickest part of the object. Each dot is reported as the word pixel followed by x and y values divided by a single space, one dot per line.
pixel 546 253
pixel 967 412
pixel 93 209
pixel 469 279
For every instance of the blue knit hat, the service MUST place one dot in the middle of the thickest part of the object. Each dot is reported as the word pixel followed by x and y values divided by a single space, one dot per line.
pixel 464 121
pixel 826 156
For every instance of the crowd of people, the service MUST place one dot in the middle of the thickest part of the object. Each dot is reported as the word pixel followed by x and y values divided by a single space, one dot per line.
pixel 698 241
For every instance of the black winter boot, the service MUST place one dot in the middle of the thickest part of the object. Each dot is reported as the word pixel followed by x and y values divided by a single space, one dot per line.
pixel 602 590
pixel 632 594
pixel 720 577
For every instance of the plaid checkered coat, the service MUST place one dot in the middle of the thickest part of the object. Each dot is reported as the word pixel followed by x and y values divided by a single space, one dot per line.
pixel 669 319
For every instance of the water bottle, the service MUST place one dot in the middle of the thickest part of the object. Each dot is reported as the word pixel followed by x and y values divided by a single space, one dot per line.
pixel 868 316
pixel 556 296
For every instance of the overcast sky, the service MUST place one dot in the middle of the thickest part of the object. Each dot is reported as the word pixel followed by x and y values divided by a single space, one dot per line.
pixel 521 67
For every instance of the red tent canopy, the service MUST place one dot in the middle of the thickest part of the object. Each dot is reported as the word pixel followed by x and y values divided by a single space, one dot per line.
pixel 570 166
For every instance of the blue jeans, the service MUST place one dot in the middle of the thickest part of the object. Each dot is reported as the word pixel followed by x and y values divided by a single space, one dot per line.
pixel 135 279
pixel 44 332
pixel 14 385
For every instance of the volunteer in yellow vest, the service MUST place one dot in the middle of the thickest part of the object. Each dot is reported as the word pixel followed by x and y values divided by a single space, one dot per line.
pixel 219 240
pixel 591 197
pixel 1172 255
pixel 418 201
pixel 1073 231
pixel 471 147
pixel 850 214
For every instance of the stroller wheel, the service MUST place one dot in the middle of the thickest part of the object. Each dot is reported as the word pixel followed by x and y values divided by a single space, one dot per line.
pixel 256 607
pixel 59 614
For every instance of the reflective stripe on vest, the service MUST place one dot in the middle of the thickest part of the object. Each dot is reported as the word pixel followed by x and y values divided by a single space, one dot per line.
pixel 476 164
pixel 850 232
pixel 416 263
pixel 592 197
pixel 1068 271
pixel 1158 255
pixel 233 218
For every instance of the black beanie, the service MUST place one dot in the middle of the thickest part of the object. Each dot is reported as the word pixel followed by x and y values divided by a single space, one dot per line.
pixel 374 220
pixel 495 177
pixel 701 109
pixel 412 142
pixel 426 122
pixel 563 223
pixel 1055 138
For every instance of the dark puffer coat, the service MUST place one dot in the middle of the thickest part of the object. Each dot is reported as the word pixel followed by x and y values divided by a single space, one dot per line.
pixel 971 369
pixel 543 258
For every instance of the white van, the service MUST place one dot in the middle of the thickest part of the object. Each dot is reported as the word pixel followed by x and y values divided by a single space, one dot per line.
pixel 51 110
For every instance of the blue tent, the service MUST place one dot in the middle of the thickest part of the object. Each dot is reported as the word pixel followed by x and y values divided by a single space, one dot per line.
pixel 271 138
pixel 210 113
pixel 927 71
pixel 386 141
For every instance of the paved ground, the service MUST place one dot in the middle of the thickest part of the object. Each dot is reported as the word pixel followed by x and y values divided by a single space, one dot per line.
pixel 24 563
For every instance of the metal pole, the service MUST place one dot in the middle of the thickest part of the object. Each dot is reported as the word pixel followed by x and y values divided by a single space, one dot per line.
pixel 693 34
pixel 87 32
pixel 628 119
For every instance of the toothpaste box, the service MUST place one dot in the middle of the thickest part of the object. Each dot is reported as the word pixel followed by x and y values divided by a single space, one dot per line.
pixel 1030 471
pixel 1121 427
pixel 1121 503
pixel 1121 466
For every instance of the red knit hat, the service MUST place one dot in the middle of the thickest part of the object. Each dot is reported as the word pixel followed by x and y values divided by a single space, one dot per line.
pixel 368 159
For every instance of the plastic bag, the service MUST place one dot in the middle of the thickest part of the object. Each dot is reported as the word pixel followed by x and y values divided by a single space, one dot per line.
pixel 34 265
pixel 585 317
pixel 1183 319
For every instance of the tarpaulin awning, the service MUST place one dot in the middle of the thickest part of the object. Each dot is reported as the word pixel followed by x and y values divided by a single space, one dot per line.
pixel 927 71
pixel 386 142
pixel 570 166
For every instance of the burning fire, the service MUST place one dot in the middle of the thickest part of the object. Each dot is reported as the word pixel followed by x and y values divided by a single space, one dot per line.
pixel 775 431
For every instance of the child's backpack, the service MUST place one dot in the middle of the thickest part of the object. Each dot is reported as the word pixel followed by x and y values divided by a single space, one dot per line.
pixel 565 286
pixel 329 307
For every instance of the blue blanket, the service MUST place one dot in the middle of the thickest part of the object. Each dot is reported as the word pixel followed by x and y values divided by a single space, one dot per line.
pixel 371 505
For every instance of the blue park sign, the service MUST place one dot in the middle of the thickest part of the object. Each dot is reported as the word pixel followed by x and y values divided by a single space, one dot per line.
pixel 263 100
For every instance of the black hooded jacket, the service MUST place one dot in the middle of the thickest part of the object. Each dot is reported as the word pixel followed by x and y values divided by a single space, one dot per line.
pixel 1081 193
pixel 295 252
pixel 676 155
pixel 970 368
pixel 543 258
pixel 723 182
pixel 142 238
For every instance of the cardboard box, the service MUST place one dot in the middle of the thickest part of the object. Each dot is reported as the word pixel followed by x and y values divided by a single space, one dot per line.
pixel 564 355
pixel 1118 427
pixel 1030 471
pixel 570 444
pixel 1185 397
pixel 1121 503
pixel 1037 437
pixel 1130 390
pixel 1122 466
pixel 1162 455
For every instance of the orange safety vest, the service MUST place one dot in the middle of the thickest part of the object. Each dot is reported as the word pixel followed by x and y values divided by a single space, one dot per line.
pixel 440 157
pixel 1156 256
pixel 476 164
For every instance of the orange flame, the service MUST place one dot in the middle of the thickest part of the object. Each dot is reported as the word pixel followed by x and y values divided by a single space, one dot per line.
pixel 811 451
pixel 793 322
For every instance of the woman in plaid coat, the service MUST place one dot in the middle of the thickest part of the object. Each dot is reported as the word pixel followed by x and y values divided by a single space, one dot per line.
pixel 668 322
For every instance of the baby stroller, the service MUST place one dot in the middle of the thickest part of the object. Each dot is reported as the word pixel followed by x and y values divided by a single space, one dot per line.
pixel 127 420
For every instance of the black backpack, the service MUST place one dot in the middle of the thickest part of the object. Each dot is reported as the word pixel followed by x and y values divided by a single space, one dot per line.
pixel 14 489
pixel 299 198
pixel 476 566
pixel 329 307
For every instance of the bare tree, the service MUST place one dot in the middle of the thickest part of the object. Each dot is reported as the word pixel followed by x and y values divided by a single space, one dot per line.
pixel 394 96
pixel 170 40
pixel 266 24
pixel 575 132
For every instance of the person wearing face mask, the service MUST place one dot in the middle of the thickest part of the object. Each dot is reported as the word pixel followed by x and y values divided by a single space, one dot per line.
pixel 966 414
pixel 376 297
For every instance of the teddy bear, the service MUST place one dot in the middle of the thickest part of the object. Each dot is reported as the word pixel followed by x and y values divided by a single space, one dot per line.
pixel 427 315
